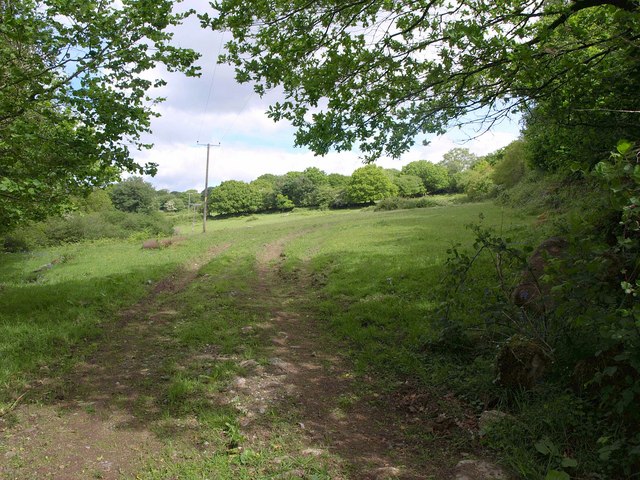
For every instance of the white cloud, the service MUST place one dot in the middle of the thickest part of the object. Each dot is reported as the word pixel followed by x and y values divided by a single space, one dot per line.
pixel 214 108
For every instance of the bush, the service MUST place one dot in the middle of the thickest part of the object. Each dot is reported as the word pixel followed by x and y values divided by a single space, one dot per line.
pixel 512 167
pixel 78 227
pixel 477 182
pixel 586 318
pixel 398 203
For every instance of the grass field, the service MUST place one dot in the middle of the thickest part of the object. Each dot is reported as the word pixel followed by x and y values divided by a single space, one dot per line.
pixel 367 277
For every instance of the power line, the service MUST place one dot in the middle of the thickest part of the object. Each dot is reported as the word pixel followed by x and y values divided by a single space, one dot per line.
pixel 213 77
pixel 235 120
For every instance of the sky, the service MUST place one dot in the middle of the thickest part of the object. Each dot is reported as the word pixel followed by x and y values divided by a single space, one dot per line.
pixel 215 109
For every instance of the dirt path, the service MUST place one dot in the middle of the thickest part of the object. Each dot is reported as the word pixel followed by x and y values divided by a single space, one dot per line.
pixel 96 422
pixel 309 380
pixel 93 423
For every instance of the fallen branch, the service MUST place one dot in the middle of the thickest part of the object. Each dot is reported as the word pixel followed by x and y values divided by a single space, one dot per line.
pixel 4 411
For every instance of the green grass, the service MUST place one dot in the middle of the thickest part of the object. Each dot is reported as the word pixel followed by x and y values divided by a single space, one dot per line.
pixel 50 319
pixel 380 272
pixel 374 275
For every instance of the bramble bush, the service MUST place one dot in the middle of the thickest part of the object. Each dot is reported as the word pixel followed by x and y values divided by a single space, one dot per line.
pixel 588 322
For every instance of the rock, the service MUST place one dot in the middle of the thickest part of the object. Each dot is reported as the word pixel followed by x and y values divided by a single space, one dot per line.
pixel 521 362
pixel 610 369
pixel 384 473
pixel 240 382
pixel 293 474
pixel 531 293
pixel 277 362
pixel 47 266
pixel 156 244
pixel 478 470
pixel 151 245
pixel 249 364
pixel 488 418
pixel 312 452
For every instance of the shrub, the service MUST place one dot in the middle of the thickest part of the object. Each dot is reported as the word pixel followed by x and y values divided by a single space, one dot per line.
pixel 508 171
pixel 398 203
pixel 78 227
pixel 588 323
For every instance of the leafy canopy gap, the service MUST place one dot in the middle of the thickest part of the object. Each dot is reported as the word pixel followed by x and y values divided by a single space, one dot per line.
pixel 379 73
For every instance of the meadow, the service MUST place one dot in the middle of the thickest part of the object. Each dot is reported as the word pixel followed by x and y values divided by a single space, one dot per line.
pixel 369 279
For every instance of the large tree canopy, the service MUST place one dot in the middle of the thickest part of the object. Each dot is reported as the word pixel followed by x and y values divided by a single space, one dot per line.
pixel 73 95
pixel 379 73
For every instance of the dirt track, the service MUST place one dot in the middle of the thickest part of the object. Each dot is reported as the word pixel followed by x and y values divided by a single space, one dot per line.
pixel 96 421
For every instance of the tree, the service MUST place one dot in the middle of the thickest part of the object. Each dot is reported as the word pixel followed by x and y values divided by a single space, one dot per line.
pixel 233 197
pixel 409 185
pixel 378 73
pixel 368 184
pixel 134 195
pixel 97 201
pixel 512 167
pixel 458 160
pixel 265 185
pixel 477 181
pixel 435 178
pixel 173 204
pixel 283 203
pixel 337 180
pixel 74 96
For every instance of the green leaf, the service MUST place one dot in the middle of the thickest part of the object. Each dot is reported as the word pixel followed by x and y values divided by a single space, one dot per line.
pixel 544 446
pixel 624 146
pixel 569 462
pixel 557 475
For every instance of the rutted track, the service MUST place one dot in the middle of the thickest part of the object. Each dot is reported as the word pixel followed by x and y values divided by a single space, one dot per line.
pixel 98 420
pixel 88 423
pixel 307 377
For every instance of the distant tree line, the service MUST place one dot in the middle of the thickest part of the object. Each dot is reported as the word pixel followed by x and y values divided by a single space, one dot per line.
pixel 460 171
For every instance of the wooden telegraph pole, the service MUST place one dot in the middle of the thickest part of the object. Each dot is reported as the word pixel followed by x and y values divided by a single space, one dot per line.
pixel 206 190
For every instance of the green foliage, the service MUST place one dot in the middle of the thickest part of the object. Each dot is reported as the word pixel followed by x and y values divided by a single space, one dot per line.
pixel 134 195
pixel 496 156
pixel 458 160
pixel 78 227
pixel 325 196
pixel 283 203
pixel 75 95
pixel 173 205
pixel 477 182
pixel 337 181
pixel 512 166
pixel 409 186
pixel 397 203
pixel 434 177
pixel 302 187
pixel 580 122
pixel 97 201
pixel 368 184
pixel 233 197
pixel 391 70
pixel 266 187
pixel 587 318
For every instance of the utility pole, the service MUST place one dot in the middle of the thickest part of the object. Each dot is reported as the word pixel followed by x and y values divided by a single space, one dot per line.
pixel 206 190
